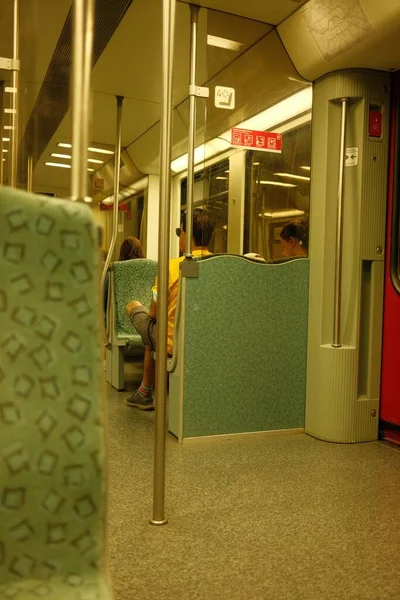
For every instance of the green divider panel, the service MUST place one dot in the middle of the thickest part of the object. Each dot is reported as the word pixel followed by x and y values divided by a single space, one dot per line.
pixel 245 346
pixel 133 280
pixel 52 439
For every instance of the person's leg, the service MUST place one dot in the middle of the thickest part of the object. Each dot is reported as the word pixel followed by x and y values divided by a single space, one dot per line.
pixel 145 326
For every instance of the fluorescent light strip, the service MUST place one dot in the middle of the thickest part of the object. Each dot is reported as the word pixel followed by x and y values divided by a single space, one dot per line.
pixel 61 165
pixel 96 161
pixel 219 42
pixel 5 150
pixel 292 176
pixel 281 214
pixel 305 168
pixel 222 178
pixel 90 149
pixel 100 150
pixel 287 109
pixel 56 155
pixel 278 184
pixel 8 127
pixel 10 90
pixel 6 139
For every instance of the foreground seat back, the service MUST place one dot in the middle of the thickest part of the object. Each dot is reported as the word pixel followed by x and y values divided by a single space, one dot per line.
pixel 52 438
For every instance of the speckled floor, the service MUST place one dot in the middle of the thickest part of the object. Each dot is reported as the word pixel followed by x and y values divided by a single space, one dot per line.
pixel 287 518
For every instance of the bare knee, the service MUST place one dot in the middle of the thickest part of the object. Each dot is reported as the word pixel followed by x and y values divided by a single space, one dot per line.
pixel 130 307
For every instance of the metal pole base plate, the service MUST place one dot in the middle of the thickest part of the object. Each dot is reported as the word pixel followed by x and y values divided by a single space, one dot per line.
pixel 158 523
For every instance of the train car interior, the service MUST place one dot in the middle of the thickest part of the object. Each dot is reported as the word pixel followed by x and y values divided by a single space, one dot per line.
pixel 199 299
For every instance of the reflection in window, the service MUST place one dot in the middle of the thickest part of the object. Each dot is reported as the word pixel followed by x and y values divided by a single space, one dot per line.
pixel 211 191
pixel 277 192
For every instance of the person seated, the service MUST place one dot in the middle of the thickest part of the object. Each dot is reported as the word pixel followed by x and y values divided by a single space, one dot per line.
pixel 145 320
pixel 130 248
pixel 294 239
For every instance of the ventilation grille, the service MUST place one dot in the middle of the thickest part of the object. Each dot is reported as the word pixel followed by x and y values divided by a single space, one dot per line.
pixel 53 99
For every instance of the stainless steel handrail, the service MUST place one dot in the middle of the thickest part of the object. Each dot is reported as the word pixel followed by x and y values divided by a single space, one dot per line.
pixel 83 35
pixel 168 36
pixel 30 174
pixel 2 85
pixel 337 316
pixel 194 19
pixel 15 100
pixel 118 138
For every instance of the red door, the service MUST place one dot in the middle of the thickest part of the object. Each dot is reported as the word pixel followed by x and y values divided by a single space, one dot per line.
pixel 390 392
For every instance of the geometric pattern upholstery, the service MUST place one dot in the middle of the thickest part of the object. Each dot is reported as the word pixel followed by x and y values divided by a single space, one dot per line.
pixel 245 347
pixel 132 280
pixel 52 436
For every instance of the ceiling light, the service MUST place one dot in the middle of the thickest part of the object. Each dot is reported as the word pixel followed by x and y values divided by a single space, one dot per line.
pixel 8 127
pixel 282 112
pixel 64 145
pixel 101 150
pixel 6 139
pixel 10 90
pixel 96 160
pixel 56 155
pixel 222 178
pixel 255 164
pixel 279 214
pixel 10 111
pixel 228 171
pixel 278 183
pixel 305 168
pixel 91 170
pixel 219 42
pixel 61 165
pixel 5 150
pixel 291 176
pixel 4 160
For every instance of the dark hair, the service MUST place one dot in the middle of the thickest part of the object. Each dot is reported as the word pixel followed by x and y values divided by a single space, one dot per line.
pixel 297 230
pixel 203 227
pixel 130 248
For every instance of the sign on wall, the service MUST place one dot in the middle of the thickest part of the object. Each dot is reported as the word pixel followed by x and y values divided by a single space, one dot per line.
pixel 256 140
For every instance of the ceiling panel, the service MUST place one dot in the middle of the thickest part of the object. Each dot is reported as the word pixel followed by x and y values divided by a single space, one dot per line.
pixel 325 37
pixel 268 11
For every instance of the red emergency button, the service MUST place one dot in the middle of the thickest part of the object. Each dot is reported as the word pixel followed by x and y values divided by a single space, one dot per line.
pixel 375 124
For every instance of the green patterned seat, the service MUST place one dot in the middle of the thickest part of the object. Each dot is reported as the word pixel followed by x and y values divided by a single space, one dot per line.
pixel 52 439
pixel 130 280
pixel 242 350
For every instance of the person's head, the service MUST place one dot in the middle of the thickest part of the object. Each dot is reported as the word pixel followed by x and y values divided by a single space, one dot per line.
pixel 131 248
pixel 294 239
pixel 203 229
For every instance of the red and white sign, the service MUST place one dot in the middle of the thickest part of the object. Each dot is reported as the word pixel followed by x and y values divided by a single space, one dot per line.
pixel 375 124
pixel 122 207
pixel 257 140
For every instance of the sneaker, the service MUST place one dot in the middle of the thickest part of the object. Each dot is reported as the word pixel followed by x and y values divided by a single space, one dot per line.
pixel 137 400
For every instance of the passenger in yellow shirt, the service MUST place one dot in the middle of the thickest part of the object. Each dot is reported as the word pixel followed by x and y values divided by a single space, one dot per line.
pixel 145 320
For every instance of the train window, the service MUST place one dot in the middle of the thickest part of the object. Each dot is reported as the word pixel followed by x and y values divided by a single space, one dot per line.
pixel 211 191
pixel 277 192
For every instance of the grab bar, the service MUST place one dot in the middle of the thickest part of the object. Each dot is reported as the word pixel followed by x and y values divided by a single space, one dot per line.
pixel 337 316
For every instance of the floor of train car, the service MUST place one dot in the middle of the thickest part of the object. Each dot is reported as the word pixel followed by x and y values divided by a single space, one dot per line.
pixel 284 517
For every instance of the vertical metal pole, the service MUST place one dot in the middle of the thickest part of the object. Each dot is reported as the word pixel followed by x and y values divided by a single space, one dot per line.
pixel 14 100
pixel 163 264
pixel 83 33
pixel 337 317
pixel 118 138
pixel 1 131
pixel 30 173
pixel 194 19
